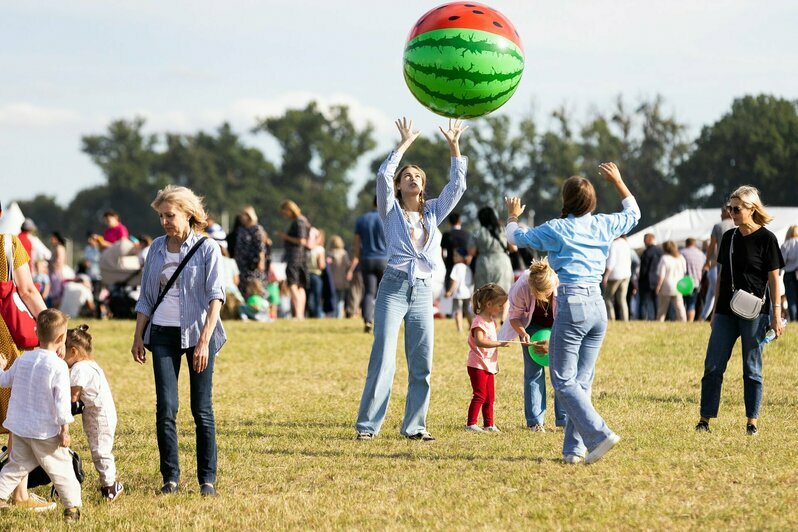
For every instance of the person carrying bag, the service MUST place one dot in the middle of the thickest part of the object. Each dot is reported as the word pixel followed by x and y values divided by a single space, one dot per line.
pixel 19 320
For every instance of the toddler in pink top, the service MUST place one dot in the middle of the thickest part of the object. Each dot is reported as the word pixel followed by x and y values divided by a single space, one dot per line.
pixel 483 357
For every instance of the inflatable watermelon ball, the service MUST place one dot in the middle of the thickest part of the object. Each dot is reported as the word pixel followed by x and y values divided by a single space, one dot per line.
pixel 463 60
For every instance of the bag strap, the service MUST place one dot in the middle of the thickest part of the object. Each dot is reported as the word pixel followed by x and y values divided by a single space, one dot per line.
pixel 7 243
pixel 174 276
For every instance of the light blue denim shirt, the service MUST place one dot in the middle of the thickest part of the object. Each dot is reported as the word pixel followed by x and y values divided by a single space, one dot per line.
pixel 397 228
pixel 578 247
pixel 200 282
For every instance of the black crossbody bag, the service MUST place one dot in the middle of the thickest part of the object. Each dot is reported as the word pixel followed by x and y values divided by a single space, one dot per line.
pixel 169 284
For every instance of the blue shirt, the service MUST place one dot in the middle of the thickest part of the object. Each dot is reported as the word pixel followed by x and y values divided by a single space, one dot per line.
pixel 199 283
pixel 370 229
pixel 397 228
pixel 578 247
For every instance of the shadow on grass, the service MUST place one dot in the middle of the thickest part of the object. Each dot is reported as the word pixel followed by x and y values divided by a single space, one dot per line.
pixel 409 456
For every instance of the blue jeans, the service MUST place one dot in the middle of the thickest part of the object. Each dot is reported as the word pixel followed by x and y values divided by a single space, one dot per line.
pixel 535 390
pixel 648 305
pixel 166 359
pixel 397 301
pixel 725 331
pixel 315 303
pixel 791 291
pixel 576 338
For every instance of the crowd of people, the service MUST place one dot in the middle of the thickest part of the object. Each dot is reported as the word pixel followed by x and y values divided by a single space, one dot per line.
pixel 402 269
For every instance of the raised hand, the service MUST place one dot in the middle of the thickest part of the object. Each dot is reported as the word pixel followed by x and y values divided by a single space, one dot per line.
pixel 452 135
pixel 405 128
pixel 610 172
pixel 514 207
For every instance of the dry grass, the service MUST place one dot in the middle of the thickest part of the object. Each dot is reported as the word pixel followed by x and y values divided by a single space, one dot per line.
pixel 286 396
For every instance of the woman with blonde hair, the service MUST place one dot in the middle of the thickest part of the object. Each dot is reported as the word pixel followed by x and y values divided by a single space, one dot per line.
pixel 182 292
pixel 338 261
pixel 295 242
pixel 251 246
pixel 789 249
pixel 749 260
pixel 532 308
pixel 672 267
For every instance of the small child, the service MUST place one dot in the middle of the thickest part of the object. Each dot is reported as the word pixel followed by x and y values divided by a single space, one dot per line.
pixel 91 393
pixel 461 288
pixel 42 278
pixel 257 307
pixel 531 309
pixel 483 357
pixel 39 415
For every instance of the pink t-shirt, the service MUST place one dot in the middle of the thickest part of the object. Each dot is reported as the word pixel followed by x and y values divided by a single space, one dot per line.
pixel 112 234
pixel 486 358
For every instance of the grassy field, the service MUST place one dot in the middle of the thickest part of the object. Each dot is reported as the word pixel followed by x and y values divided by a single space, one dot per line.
pixel 286 396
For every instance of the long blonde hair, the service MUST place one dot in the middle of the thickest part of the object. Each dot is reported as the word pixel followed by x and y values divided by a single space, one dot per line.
pixel 185 200
pixel 542 279
pixel 749 196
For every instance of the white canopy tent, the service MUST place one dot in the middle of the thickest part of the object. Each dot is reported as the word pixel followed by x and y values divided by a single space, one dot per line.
pixel 11 220
pixel 698 223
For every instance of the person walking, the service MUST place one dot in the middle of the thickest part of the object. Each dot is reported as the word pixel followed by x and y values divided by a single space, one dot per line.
pixel 370 255
pixel 695 260
pixel 617 275
pixel 671 268
pixel 789 249
pixel 182 293
pixel 711 266
pixel 647 285
pixel 749 259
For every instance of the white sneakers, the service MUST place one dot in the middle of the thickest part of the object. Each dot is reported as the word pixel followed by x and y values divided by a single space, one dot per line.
pixel 474 428
pixel 571 458
pixel 602 448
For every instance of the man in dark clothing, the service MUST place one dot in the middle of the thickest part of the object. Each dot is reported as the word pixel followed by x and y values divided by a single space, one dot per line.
pixel 454 238
pixel 371 255
pixel 647 280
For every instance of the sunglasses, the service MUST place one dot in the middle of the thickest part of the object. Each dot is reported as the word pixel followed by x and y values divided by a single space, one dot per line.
pixel 735 210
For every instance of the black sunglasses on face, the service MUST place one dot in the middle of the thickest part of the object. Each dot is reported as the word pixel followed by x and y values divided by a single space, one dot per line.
pixel 735 210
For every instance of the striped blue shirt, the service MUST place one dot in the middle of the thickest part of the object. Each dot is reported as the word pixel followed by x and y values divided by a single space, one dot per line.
pixel 199 283
pixel 397 229
pixel 578 247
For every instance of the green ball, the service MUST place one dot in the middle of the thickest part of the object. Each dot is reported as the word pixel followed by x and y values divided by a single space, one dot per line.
pixel 685 285
pixel 540 335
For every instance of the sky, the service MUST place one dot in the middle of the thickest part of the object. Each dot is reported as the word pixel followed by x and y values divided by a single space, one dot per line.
pixel 68 68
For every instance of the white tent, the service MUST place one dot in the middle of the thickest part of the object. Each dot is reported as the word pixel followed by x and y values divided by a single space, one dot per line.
pixel 11 220
pixel 698 223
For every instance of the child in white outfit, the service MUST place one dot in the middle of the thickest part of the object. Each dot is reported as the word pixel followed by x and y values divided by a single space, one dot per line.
pixel 39 414
pixel 92 394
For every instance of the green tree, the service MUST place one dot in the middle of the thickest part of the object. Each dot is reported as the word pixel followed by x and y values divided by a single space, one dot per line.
pixel 756 143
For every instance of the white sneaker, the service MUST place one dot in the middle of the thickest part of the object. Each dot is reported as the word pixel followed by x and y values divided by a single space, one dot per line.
pixel 492 428
pixel 571 458
pixel 474 428
pixel 602 448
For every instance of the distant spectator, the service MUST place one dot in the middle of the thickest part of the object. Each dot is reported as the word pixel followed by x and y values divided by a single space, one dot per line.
pixel 25 238
pixel 711 266
pixel 371 255
pixel 461 289
pixel 647 283
pixel 216 231
pixel 56 265
pixel 790 251
pixel 316 263
pixel 115 229
pixel 338 261
pixel 78 298
pixel 91 253
pixel 295 242
pixel 617 274
pixel 145 241
pixel 453 239
pixel 672 267
pixel 695 260
pixel 41 278
pixel 489 246
pixel 250 249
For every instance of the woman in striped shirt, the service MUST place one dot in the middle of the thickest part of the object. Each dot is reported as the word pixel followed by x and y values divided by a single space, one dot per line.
pixel 405 291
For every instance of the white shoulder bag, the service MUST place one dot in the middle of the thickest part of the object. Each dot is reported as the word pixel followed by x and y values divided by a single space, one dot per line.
pixel 744 304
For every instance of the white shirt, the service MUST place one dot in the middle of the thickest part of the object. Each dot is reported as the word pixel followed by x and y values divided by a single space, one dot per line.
pixel 40 396
pixel 76 294
pixel 422 270
pixel 619 261
pixel 672 269
pixel 95 393
pixel 168 312
pixel 461 274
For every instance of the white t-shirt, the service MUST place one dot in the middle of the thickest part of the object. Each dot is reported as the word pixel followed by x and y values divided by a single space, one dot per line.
pixel 461 274
pixel 422 270
pixel 96 392
pixel 619 260
pixel 673 269
pixel 76 294
pixel 168 312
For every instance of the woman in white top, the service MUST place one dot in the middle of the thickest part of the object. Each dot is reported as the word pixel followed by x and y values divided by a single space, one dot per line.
pixel 789 249
pixel 672 267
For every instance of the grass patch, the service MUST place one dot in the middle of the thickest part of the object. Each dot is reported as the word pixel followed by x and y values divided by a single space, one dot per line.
pixel 286 397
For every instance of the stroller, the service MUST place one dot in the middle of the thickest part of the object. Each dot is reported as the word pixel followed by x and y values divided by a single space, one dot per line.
pixel 121 276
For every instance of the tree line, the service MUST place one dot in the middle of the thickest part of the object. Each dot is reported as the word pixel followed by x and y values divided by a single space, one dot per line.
pixel 755 142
